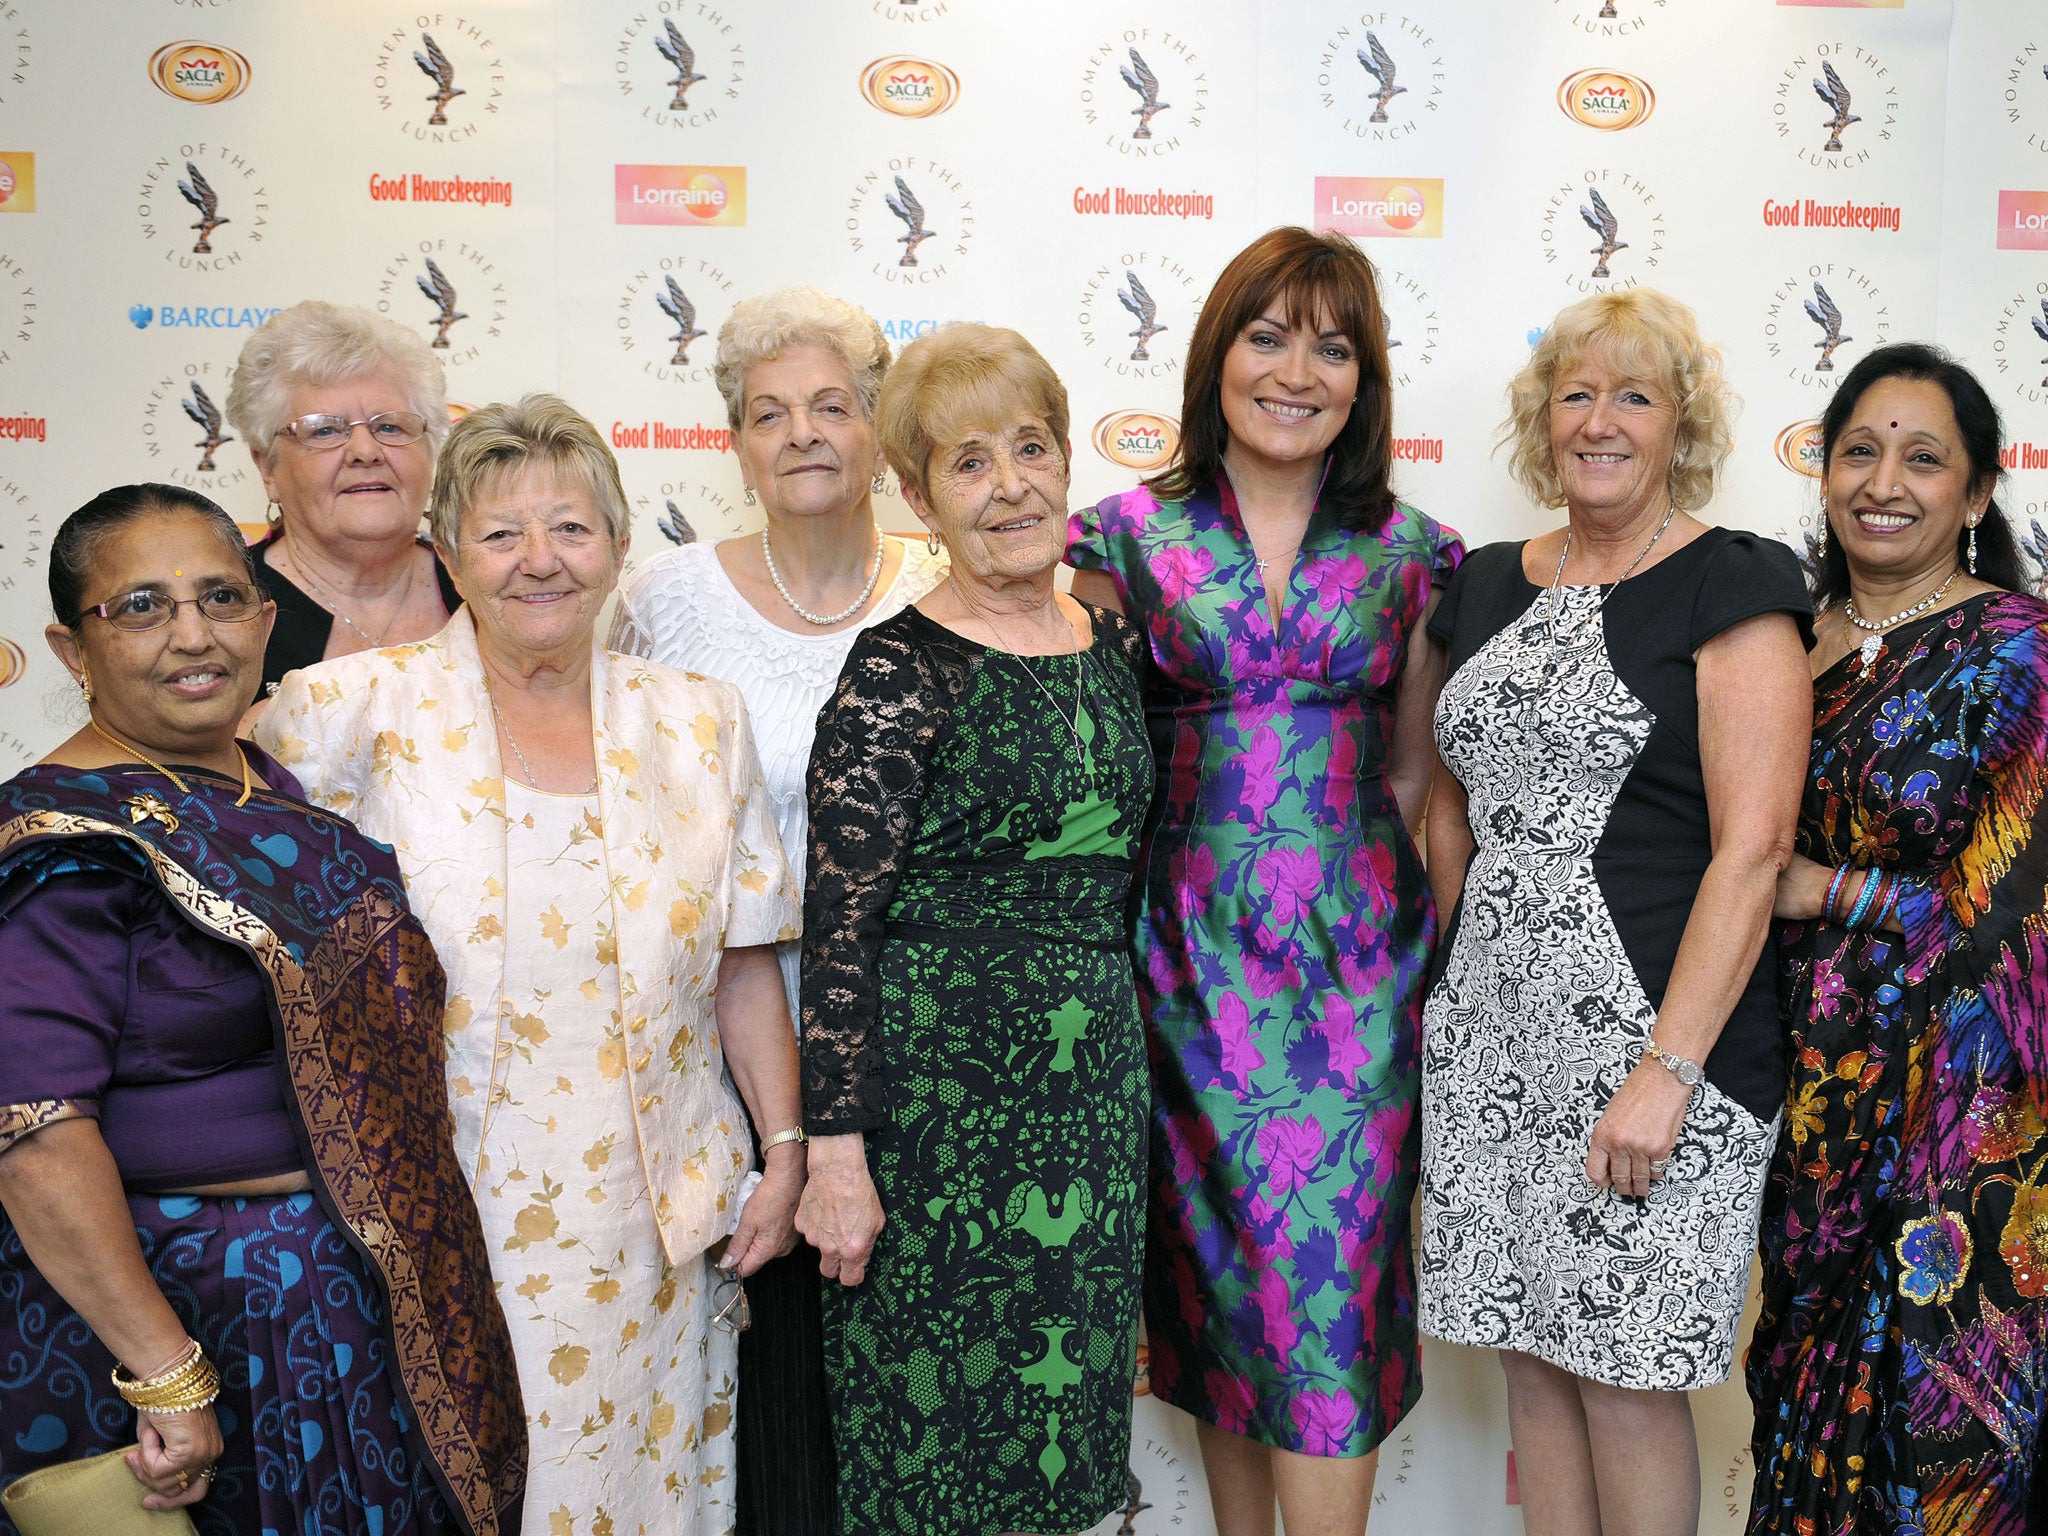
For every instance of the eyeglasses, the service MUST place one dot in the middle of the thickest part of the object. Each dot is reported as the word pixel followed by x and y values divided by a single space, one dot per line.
pixel 733 1315
pixel 320 432
pixel 226 602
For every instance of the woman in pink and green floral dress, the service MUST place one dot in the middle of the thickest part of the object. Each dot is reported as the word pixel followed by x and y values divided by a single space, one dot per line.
pixel 1285 928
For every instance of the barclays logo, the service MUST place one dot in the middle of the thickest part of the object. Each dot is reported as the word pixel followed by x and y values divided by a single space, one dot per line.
pixel 203 317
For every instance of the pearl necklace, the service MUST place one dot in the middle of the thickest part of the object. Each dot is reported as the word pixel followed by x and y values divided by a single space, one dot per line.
pixel 1877 627
pixel 866 592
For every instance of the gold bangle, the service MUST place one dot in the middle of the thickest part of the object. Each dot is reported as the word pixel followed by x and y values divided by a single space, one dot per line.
pixel 188 1384
pixel 180 1365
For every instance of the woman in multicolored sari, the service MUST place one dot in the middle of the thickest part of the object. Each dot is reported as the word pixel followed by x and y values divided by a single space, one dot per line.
pixel 1286 925
pixel 1900 1365
pixel 187 944
pixel 588 840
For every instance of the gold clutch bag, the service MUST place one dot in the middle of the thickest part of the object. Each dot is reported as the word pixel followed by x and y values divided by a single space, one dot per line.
pixel 98 1496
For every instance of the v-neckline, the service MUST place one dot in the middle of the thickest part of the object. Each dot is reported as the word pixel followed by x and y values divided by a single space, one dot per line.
pixel 1233 516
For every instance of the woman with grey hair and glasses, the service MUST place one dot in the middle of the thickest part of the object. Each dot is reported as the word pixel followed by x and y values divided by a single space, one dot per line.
pixel 342 411
pixel 586 837
pixel 774 614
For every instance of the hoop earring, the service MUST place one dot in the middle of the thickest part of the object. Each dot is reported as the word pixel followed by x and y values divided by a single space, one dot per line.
pixel 748 498
pixel 931 542
pixel 274 516
pixel 879 485
pixel 1973 549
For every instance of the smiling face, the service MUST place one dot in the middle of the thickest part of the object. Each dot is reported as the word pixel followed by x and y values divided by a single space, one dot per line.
pixel 534 563
pixel 177 691
pixel 804 444
pixel 1611 436
pixel 1898 483
pixel 1287 390
pixel 998 500
pixel 363 490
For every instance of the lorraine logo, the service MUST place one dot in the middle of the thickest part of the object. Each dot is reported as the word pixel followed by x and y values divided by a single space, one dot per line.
pixel 2024 99
pixel 1798 448
pixel 679 76
pixel 184 429
pixel 1142 440
pixel 203 73
pixel 906 87
pixel 438 285
pixel 1414 324
pixel 205 206
pixel 665 311
pixel 1384 207
pixel 1609 18
pixel 1128 303
pixel 692 195
pixel 17 181
pixel 1146 92
pixel 916 209
pixel 440 84
pixel 2019 344
pixel 1858 110
pixel 2023 221
pixel 1606 99
pixel 1820 319
pixel 13 663
pixel 1621 215
pixel 1381 80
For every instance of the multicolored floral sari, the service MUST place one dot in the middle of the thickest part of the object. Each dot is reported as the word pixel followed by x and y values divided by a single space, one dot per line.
pixel 1900 1364
pixel 367 1375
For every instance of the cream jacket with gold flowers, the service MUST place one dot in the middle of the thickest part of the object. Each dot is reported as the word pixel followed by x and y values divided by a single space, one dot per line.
pixel 401 742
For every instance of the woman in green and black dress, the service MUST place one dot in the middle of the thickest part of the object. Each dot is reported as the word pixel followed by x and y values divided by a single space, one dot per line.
pixel 974 1070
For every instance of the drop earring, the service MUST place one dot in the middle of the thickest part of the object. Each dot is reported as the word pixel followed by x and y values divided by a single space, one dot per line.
pixel 879 485
pixel 748 498
pixel 1973 549
pixel 1820 544
pixel 85 686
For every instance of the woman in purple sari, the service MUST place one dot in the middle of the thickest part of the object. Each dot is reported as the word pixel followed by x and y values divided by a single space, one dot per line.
pixel 229 1187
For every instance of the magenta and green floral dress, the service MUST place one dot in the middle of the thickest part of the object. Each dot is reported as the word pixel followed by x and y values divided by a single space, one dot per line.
pixel 1282 940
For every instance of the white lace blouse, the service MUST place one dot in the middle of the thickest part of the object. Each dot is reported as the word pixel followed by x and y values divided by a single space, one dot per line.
pixel 681 609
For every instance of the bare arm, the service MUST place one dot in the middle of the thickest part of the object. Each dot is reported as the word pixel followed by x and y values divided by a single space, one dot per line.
pixel 1099 588
pixel 760 1050
pixel 1449 847
pixel 64 1196
pixel 1411 756
pixel 1756 718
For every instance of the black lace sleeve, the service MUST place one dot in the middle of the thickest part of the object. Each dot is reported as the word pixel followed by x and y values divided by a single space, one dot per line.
pixel 867 778
pixel 1127 639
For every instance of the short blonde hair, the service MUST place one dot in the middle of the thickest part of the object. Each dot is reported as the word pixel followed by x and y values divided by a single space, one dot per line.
pixel 320 343
pixel 952 380
pixel 770 323
pixel 1644 334
pixel 491 444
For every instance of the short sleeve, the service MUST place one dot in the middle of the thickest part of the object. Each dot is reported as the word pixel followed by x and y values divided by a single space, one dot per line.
pixel 1747 576
pixel 1087 545
pixel 64 952
pixel 1443 620
pixel 762 904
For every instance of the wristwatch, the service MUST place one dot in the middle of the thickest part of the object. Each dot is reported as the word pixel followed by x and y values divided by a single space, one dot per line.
pixel 1689 1073
pixel 795 1133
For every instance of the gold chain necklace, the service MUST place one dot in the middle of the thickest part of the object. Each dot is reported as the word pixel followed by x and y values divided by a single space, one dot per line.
pixel 248 783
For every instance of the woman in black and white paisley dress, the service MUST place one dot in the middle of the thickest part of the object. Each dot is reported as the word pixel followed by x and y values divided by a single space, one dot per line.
pixel 774 614
pixel 1623 737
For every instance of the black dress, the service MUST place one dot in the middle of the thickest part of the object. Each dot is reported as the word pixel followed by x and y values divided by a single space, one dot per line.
pixel 304 626
pixel 1575 735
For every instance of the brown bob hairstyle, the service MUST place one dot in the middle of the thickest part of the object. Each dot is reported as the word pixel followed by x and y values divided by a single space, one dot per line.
pixel 1296 275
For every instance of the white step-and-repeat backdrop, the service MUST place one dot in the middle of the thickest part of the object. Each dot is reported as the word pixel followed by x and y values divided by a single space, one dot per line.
pixel 1816 177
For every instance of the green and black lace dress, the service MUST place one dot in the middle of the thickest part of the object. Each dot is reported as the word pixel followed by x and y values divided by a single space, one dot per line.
pixel 968 1004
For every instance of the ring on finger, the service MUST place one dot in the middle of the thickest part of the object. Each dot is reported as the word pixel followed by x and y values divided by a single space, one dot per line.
pixel 1658 1165
pixel 205 1473
pixel 184 1479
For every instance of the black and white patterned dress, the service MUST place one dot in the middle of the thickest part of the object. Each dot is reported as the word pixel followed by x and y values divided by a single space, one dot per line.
pixel 1588 808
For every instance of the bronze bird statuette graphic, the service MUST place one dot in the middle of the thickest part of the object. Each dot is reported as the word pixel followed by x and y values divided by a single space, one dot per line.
pixel 199 193
pixel 677 306
pixel 1831 90
pixel 670 46
pixel 1601 220
pixel 1829 319
pixel 674 525
pixel 2041 330
pixel 2034 545
pixel 1139 77
pixel 435 66
pixel 904 204
pixel 1607 11
pixel 1144 309
pixel 1134 1504
pixel 206 416
pixel 436 286
pixel 1380 65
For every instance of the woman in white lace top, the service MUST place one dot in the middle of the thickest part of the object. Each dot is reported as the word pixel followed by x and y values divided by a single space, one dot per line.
pixel 775 614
